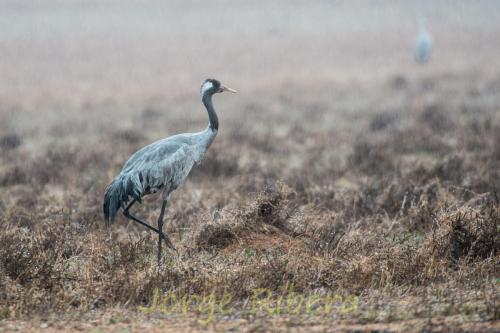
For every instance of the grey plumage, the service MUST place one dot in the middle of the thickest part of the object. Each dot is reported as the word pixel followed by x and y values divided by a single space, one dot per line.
pixel 162 166
pixel 423 43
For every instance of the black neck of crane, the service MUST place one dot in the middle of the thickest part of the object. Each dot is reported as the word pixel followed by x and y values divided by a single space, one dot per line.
pixel 212 116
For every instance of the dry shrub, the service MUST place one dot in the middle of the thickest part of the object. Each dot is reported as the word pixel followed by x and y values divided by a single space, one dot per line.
pixel 216 235
pixel 263 142
pixel 128 136
pixel 382 121
pixel 267 213
pixel 398 82
pixel 322 231
pixel 217 164
pixel 435 117
pixel 272 206
pixel 418 140
pixel 450 169
pixel 10 141
pixel 53 266
pixel 150 115
pixel 12 176
pixel 471 235
pixel 456 237
pixel 371 158
pixel 58 165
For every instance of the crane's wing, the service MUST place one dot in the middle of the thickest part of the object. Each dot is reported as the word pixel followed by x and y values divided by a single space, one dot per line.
pixel 162 165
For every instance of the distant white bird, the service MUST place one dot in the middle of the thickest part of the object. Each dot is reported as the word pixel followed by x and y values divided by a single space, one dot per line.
pixel 162 166
pixel 423 44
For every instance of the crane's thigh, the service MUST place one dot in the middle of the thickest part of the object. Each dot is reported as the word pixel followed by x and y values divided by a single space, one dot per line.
pixel 165 196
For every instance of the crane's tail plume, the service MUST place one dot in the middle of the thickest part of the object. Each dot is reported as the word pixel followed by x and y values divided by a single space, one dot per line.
pixel 117 194
pixel 112 201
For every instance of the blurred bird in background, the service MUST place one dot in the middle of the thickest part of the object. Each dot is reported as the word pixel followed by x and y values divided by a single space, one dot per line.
pixel 423 43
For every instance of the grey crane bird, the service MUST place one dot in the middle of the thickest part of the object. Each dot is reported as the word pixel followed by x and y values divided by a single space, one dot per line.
pixel 423 43
pixel 162 166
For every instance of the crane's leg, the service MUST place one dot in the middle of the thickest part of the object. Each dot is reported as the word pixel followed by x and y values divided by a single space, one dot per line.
pixel 161 235
pixel 160 229
pixel 133 218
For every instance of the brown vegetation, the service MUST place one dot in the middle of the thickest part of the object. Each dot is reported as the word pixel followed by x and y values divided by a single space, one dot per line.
pixel 341 167
pixel 377 222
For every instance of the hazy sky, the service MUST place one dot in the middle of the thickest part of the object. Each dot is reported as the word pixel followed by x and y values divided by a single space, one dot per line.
pixel 138 48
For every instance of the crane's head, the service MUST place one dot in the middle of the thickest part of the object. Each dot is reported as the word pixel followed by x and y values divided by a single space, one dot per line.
pixel 212 86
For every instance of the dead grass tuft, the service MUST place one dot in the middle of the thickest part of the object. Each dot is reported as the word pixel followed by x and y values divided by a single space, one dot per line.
pixel 10 141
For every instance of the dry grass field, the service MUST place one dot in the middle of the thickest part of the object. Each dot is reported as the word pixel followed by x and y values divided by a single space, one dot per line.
pixel 348 190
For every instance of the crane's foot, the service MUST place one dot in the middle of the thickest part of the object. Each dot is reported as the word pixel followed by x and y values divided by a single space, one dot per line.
pixel 170 246
pixel 169 243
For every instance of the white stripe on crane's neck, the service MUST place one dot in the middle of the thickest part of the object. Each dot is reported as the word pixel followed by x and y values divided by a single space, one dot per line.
pixel 207 85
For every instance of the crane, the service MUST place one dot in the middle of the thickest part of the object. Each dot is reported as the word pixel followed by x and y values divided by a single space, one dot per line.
pixel 423 43
pixel 162 166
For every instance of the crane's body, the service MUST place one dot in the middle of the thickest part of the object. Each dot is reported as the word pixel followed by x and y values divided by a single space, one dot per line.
pixel 162 166
pixel 423 43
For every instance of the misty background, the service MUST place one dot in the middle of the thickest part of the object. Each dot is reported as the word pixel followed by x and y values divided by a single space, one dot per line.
pixel 67 52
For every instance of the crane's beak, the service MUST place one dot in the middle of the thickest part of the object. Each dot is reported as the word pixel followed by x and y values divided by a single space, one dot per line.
pixel 224 88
